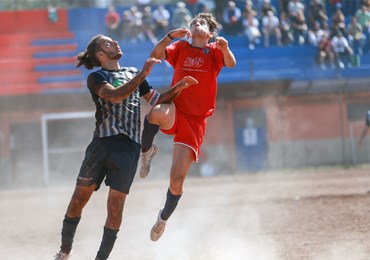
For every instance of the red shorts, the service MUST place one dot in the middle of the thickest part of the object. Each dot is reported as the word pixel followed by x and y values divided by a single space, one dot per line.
pixel 188 130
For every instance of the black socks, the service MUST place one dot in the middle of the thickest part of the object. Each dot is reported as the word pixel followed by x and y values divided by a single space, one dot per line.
pixel 68 233
pixel 107 243
pixel 147 137
pixel 170 205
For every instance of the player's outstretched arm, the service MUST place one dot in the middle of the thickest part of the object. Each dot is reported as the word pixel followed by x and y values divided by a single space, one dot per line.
pixel 159 50
pixel 173 92
pixel 116 95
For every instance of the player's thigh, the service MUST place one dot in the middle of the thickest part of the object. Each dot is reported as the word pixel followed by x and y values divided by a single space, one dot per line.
pixel 162 115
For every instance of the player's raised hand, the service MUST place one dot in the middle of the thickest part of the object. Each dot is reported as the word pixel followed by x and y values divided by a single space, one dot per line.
pixel 179 33
pixel 148 65
pixel 221 43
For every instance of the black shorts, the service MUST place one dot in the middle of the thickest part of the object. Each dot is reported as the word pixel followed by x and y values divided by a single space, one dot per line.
pixel 114 158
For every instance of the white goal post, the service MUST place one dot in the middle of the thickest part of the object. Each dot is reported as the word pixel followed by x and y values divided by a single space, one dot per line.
pixel 46 150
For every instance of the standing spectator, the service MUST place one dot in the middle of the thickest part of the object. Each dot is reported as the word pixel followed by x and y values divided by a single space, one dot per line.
pixel 251 30
pixel 356 37
pixel 316 13
pixel 181 16
pixel 232 17
pixel 112 22
pixel 342 50
pixel 299 27
pixel 52 13
pixel 363 18
pixel 271 25
pixel 161 18
pixel 286 30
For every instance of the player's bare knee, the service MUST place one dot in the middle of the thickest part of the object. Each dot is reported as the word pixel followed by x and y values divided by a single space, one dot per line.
pixel 176 186
pixel 115 206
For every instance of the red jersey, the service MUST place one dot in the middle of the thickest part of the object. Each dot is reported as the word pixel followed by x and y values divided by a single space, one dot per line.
pixel 203 64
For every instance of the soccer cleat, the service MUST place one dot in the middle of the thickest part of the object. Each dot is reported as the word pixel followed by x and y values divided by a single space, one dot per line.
pixel 62 256
pixel 146 160
pixel 158 228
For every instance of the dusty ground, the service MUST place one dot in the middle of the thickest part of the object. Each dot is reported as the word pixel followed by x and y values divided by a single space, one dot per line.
pixel 316 214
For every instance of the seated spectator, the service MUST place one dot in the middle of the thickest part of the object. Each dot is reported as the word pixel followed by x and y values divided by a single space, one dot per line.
pixel 193 6
pixel 181 16
pixel 283 5
pixel 271 25
pixel 126 32
pixel 364 2
pixel 315 34
pixel 248 9
pixel 324 52
pixel 142 4
pixel 316 13
pixel 356 37
pixel 112 22
pixel 161 18
pixel 294 7
pixel 135 24
pixel 148 24
pixel 266 7
pixel 232 19
pixel 251 24
pixel 363 18
pixel 342 50
pixel 338 22
pixel 286 30
pixel 299 27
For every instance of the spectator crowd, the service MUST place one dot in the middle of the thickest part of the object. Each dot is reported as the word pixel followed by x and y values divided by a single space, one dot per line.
pixel 339 29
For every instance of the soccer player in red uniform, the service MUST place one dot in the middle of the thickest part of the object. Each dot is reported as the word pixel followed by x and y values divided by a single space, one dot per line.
pixel 186 117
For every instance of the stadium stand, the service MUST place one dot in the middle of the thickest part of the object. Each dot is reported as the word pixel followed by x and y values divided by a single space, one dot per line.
pixel 45 61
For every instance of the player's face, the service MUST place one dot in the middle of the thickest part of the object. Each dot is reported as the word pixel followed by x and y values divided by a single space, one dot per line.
pixel 110 48
pixel 199 27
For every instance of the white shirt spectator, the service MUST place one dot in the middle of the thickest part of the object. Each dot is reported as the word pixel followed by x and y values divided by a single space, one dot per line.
pixel 294 7
pixel 340 44
pixel 270 21
pixel 161 14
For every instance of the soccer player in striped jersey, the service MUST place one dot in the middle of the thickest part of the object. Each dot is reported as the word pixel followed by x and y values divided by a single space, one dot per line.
pixel 114 151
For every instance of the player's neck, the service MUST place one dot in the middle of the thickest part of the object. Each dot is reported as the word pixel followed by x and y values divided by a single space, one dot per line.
pixel 111 65
pixel 199 42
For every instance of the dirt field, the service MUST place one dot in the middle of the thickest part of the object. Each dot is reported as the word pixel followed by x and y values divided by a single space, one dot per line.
pixel 316 214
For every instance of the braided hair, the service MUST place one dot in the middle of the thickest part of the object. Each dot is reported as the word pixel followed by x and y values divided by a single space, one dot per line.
pixel 88 57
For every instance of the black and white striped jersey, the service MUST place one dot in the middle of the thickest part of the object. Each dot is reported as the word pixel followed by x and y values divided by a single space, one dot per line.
pixel 117 118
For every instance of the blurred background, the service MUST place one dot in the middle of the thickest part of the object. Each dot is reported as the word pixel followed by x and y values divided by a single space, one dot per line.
pixel 297 98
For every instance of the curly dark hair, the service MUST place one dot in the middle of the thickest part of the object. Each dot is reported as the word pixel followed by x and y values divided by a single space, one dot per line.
pixel 88 57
